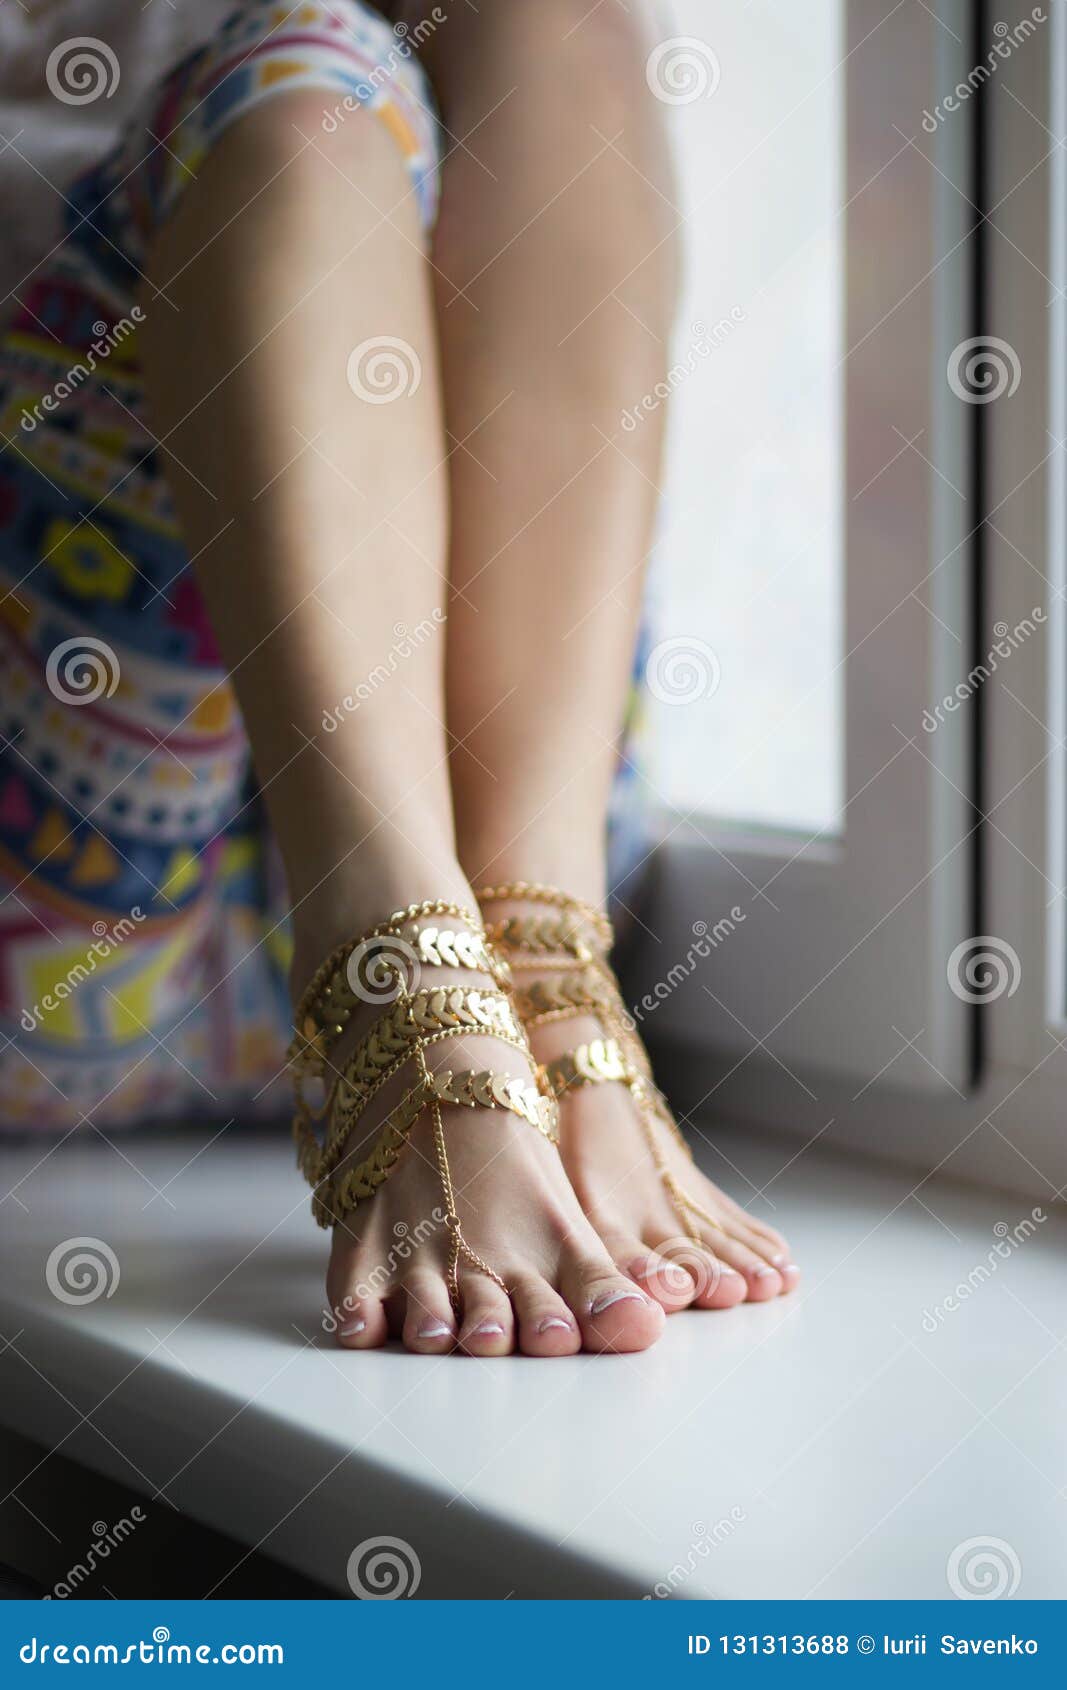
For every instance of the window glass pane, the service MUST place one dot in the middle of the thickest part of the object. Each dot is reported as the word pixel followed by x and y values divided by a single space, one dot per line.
pixel 748 579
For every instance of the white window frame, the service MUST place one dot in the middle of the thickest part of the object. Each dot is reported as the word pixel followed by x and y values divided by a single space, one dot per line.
pixel 828 1009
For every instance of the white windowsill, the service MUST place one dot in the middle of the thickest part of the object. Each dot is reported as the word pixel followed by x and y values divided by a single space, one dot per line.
pixel 832 1445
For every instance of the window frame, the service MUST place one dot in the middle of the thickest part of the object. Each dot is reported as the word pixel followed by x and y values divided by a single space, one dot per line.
pixel 980 534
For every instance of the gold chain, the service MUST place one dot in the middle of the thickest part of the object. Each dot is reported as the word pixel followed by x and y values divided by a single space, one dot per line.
pixel 594 992
pixel 415 1020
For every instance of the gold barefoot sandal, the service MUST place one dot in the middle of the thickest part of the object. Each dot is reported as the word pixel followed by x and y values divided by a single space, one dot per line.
pixel 385 967
pixel 573 940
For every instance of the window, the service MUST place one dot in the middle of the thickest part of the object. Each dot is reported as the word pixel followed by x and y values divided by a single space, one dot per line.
pixel 863 810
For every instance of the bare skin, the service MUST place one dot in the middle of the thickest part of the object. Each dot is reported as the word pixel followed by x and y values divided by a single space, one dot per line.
pixel 309 555
pixel 492 755
pixel 555 261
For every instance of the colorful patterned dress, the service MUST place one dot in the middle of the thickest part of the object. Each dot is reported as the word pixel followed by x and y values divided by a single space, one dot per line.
pixel 143 941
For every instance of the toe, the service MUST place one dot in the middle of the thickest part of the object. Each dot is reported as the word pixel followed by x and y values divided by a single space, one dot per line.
pixel 771 1248
pixel 666 1281
pixel 488 1327
pixel 546 1325
pixel 722 1287
pixel 357 1316
pixel 613 1313
pixel 361 1323
pixel 764 1239
pixel 429 1323
pixel 762 1281
pixel 712 1283
pixel 672 1283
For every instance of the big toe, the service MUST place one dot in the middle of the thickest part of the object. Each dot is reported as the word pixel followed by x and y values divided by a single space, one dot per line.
pixel 612 1312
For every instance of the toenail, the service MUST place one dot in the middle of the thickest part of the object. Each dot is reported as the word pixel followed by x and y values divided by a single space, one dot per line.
pixel 732 1273
pixel 488 1329
pixel 762 1273
pixel 607 1298
pixel 434 1329
pixel 353 1328
pixel 554 1321
pixel 789 1267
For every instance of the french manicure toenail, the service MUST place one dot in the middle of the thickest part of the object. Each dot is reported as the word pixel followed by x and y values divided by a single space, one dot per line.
pixel 607 1298
pixel 732 1273
pixel 554 1321
pixel 353 1328
pixel 488 1329
pixel 434 1329
pixel 762 1273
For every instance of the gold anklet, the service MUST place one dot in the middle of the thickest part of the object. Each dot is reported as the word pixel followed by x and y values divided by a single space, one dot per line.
pixel 386 963
pixel 576 939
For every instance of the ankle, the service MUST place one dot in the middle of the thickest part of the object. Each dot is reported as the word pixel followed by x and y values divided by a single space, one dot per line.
pixel 360 894
pixel 576 873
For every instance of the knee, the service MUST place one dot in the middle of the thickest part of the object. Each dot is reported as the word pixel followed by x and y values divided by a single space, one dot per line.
pixel 358 92
pixel 302 146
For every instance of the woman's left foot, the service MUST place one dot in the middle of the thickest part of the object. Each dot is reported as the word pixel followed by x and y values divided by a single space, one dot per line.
pixel 665 1224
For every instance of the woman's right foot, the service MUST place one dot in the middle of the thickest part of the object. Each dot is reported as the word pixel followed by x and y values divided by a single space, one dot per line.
pixel 553 1290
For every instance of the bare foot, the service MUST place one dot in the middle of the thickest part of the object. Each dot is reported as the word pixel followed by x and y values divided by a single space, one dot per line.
pixel 552 1288
pixel 666 1225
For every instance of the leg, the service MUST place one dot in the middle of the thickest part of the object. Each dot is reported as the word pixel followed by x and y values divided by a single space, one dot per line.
pixel 317 520
pixel 556 261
